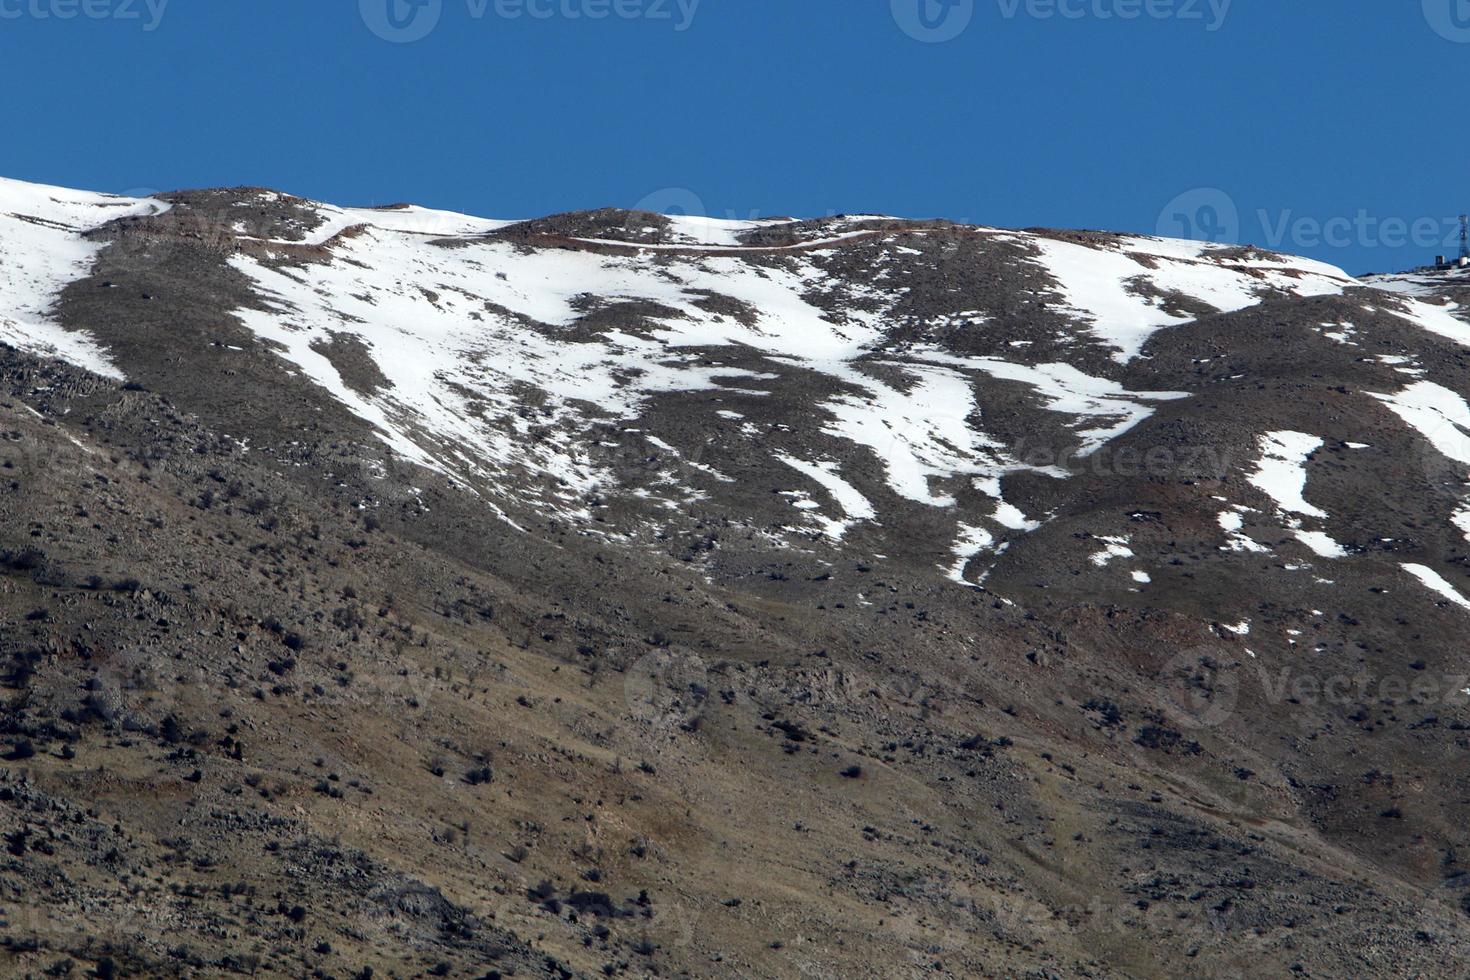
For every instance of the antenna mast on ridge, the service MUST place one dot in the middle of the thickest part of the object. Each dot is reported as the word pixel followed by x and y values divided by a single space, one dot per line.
pixel 1464 237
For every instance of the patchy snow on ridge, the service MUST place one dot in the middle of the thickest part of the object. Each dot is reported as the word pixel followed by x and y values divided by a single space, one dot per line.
pixel 701 230
pixel 460 334
pixel 406 220
pixel 1230 256
pixel 435 322
pixel 1435 318
pixel 456 330
pixel 41 251
pixel 1093 281
pixel 1105 286
pixel 415 220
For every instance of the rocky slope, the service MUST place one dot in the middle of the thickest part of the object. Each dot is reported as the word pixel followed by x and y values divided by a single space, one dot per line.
pixel 612 594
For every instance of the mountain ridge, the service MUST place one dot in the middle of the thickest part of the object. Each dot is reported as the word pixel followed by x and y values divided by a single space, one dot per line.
pixel 1061 597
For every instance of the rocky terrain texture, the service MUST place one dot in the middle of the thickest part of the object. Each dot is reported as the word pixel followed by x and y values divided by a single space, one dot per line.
pixel 394 593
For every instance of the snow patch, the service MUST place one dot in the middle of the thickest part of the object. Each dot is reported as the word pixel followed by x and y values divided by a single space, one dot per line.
pixel 1433 581
pixel 1281 473
pixel 853 503
pixel 971 542
pixel 1321 544
pixel 1116 548
pixel 1438 414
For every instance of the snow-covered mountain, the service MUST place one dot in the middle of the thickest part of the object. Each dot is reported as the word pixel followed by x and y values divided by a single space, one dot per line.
pixel 857 362
pixel 920 479
pixel 496 352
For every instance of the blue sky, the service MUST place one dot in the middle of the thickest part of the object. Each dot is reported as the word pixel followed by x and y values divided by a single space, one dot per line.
pixel 1324 127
